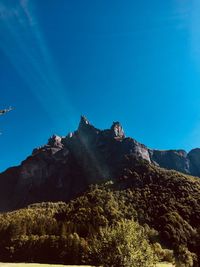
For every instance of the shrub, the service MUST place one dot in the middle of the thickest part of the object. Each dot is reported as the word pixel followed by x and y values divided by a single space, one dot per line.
pixel 122 245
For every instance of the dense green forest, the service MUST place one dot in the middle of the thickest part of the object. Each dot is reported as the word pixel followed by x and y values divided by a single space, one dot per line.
pixel 147 215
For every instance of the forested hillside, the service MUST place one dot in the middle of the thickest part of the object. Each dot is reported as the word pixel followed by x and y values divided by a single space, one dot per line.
pixel 161 207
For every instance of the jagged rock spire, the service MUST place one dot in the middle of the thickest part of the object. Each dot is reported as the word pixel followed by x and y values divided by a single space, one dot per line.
pixel 117 130
pixel 55 141
pixel 84 123
pixel 84 120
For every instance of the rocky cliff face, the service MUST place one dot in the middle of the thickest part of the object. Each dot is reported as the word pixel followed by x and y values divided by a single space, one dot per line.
pixel 194 159
pixel 65 166
pixel 179 160
pixel 171 159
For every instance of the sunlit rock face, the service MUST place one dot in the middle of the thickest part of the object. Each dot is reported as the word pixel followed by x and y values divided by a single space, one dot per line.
pixel 55 141
pixel 65 166
pixel 117 130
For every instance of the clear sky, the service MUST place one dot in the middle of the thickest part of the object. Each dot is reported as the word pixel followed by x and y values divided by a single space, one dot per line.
pixel 137 62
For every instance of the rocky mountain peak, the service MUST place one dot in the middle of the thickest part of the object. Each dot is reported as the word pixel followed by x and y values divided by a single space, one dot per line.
pixel 86 129
pixel 65 166
pixel 182 153
pixel 84 122
pixel 55 141
pixel 117 130
pixel 195 151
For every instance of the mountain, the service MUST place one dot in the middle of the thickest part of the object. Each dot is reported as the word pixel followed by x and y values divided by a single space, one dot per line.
pixel 106 180
pixel 65 166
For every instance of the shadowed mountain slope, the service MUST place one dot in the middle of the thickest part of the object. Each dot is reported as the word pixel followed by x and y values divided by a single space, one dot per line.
pixel 65 166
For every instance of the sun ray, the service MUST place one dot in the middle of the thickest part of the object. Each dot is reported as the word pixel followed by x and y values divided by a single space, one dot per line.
pixel 27 51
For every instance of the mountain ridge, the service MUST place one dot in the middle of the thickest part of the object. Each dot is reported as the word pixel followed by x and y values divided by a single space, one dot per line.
pixel 188 162
pixel 65 166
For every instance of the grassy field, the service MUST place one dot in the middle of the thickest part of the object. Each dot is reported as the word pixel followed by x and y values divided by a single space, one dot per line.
pixel 33 265
pixel 27 265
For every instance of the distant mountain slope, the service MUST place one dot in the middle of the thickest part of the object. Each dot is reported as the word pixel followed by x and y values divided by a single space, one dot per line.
pixel 65 166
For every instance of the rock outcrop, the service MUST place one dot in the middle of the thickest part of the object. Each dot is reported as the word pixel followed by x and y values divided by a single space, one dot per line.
pixel 65 166
pixel 171 159
pixel 194 158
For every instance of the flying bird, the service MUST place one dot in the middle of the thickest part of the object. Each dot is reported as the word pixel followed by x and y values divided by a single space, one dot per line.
pixel 3 111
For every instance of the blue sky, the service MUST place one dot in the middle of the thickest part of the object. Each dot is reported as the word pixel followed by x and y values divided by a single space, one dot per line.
pixel 133 61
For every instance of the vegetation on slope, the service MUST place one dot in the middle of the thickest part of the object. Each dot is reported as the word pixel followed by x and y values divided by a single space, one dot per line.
pixel 74 234
pixel 147 210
